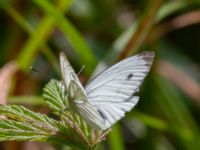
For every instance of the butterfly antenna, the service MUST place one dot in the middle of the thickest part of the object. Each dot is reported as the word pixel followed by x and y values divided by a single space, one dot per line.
pixel 33 69
pixel 80 70
pixel 41 74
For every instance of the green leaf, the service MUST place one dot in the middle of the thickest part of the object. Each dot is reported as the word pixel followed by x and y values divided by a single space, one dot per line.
pixel 14 130
pixel 88 135
pixel 23 124
pixel 54 95
pixel 22 114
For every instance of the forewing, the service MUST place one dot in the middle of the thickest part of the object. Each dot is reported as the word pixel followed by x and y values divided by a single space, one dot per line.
pixel 76 95
pixel 68 72
pixel 112 91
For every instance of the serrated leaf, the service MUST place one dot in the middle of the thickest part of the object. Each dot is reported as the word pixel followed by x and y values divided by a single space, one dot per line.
pixel 28 125
pixel 23 124
pixel 14 130
pixel 54 95
pixel 22 114
pixel 88 135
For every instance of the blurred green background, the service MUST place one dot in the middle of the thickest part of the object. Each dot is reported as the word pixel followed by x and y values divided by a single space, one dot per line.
pixel 97 34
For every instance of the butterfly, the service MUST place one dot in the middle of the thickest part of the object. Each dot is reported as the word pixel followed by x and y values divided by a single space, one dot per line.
pixel 109 95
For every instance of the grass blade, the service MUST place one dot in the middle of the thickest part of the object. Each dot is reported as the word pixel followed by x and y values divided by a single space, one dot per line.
pixel 72 34
pixel 39 37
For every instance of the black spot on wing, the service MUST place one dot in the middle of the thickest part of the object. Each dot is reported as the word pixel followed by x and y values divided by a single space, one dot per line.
pixel 129 76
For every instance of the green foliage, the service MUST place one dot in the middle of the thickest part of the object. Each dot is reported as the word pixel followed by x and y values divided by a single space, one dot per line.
pixel 71 34
pixel 167 115
pixel 25 125
pixel 39 36
pixel 54 95
pixel 115 138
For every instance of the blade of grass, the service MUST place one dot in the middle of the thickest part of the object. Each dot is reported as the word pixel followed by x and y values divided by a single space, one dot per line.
pixel 72 34
pixel 115 138
pixel 150 120
pixel 39 37
pixel 162 125
pixel 181 133
pixel 177 113
pixel 30 30
pixel 17 17
pixel 173 6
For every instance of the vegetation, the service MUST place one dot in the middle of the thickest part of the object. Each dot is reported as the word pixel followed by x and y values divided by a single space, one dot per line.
pixel 97 34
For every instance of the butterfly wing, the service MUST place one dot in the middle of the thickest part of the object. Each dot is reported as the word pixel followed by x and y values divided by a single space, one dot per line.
pixel 80 104
pixel 111 92
pixel 68 73
pixel 76 95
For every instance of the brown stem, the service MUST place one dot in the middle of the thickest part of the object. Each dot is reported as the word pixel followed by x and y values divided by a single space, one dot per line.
pixel 143 29
pixel 173 24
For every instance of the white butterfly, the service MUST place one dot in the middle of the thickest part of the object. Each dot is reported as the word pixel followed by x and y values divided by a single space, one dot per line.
pixel 109 95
